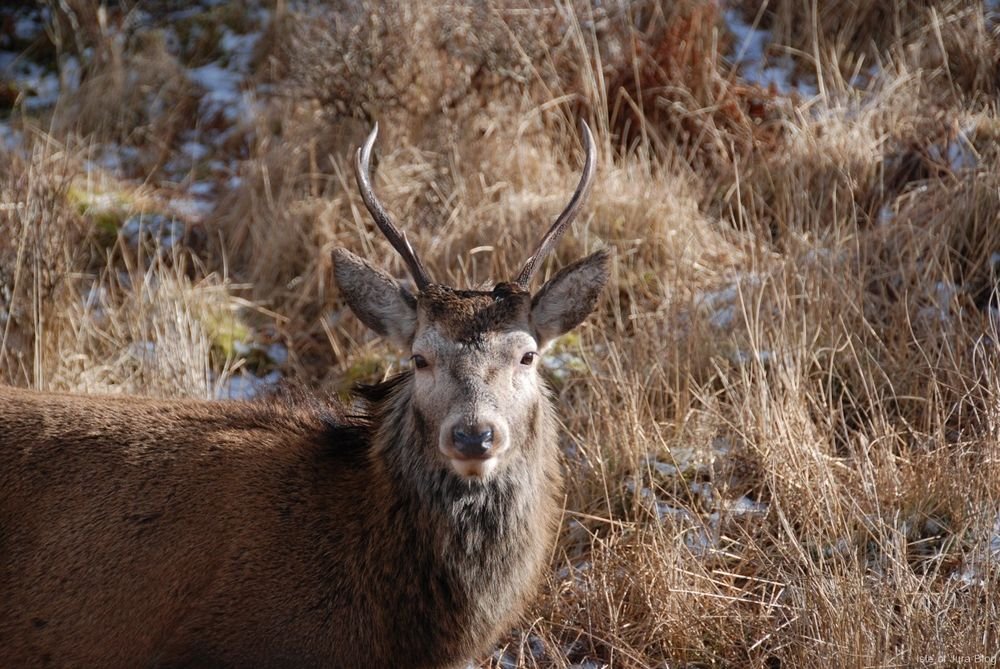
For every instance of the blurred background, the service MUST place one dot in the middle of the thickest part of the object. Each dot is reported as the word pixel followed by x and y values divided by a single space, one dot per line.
pixel 781 428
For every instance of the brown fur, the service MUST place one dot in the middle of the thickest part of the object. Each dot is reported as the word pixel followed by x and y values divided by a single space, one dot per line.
pixel 467 315
pixel 138 532
pixel 287 533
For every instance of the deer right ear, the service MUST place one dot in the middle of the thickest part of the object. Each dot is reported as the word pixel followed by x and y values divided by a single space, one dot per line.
pixel 569 296
pixel 376 298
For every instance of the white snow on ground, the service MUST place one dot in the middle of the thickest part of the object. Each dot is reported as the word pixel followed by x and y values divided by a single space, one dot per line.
pixel 702 532
pixel 958 153
pixel 743 358
pixel 11 138
pixel 28 26
pixel 563 364
pixel 226 93
pixel 192 208
pixel 223 93
pixel 720 306
pixel 71 73
pixel 886 215
pixel 38 86
pixel 143 352
pixel 195 150
pixel 690 460
pixel 942 297
pixel 755 66
pixel 723 305
pixel 863 78
pixel 247 386
pixel 991 8
pixel 164 231
pixel 239 48
pixel 277 353
pixel 112 158
pixel 974 569
pixel 202 189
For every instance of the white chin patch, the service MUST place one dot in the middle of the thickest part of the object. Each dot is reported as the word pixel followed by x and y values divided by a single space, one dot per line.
pixel 476 469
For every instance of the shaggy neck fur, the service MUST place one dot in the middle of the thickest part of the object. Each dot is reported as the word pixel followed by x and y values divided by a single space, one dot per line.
pixel 466 539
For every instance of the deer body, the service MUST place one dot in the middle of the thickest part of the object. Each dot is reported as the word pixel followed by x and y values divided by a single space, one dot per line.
pixel 288 532
pixel 151 533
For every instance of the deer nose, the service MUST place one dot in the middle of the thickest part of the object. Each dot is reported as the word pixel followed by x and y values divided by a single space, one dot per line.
pixel 473 442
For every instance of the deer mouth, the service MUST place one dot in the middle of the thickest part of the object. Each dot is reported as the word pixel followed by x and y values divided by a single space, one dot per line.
pixel 473 468
pixel 473 446
pixel 470 463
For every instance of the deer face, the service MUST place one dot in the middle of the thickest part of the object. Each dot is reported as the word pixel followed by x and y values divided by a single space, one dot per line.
pixel 476 393
pixel 474 380
pixel 476 389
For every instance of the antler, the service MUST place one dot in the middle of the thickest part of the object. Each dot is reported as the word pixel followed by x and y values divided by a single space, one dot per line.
pixel 381 216
pixel 569 213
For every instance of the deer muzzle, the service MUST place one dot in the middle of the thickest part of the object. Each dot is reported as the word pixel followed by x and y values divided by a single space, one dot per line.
pixel 474 446
pixel 473 442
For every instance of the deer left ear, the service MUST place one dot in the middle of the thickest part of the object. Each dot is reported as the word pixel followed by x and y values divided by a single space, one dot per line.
pixel 569 297
pixel 375 297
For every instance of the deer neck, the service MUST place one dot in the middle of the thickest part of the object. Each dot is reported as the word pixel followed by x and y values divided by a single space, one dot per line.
pixel 464 520
pixel 477 547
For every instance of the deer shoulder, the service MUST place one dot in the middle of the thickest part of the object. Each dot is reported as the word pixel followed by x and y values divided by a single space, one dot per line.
pixel 289 532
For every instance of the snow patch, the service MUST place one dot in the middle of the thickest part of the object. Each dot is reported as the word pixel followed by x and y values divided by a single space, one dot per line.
pixel 29 26
pixel 11 139
pixel 722 306
pixel 201 189
pixel 114 158
pixel 247 386
pixel 143 352
pixel 975 568
pixel 886 215
pixel 277 353
pixel 942 297
pixel 239 48
pixel 991 10
pixel 744 358
pixel 38 86
pixel 195 151
pixel 958 153
pixel 564 364
pixel 223 93
pixel 192 208
pixel 163 231
pixel 750 54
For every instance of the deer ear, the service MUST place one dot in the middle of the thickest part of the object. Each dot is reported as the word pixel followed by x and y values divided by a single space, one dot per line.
pixel 569 297
pixel 376 298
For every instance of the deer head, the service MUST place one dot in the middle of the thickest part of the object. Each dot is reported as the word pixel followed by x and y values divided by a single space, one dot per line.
pixel 476 395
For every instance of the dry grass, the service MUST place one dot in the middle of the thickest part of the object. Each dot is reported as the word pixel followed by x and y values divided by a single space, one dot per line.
pixel 782 427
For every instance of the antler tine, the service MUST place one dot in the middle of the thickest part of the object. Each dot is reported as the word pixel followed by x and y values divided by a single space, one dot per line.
pixel 381 216
pixel 569 213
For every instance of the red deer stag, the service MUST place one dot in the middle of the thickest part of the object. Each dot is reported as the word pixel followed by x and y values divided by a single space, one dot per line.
pixel 292 532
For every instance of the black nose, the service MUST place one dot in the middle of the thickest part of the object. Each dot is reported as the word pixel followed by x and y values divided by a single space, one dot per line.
pixel 474 443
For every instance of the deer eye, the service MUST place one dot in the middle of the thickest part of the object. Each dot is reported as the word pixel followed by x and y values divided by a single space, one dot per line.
pixel 528 358
pixel 419 361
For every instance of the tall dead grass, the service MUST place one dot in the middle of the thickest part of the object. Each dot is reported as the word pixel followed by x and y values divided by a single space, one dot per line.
pixel 781 428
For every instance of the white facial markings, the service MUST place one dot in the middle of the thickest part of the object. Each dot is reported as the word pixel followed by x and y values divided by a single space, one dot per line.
pixel 475 388
pixel 480 469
